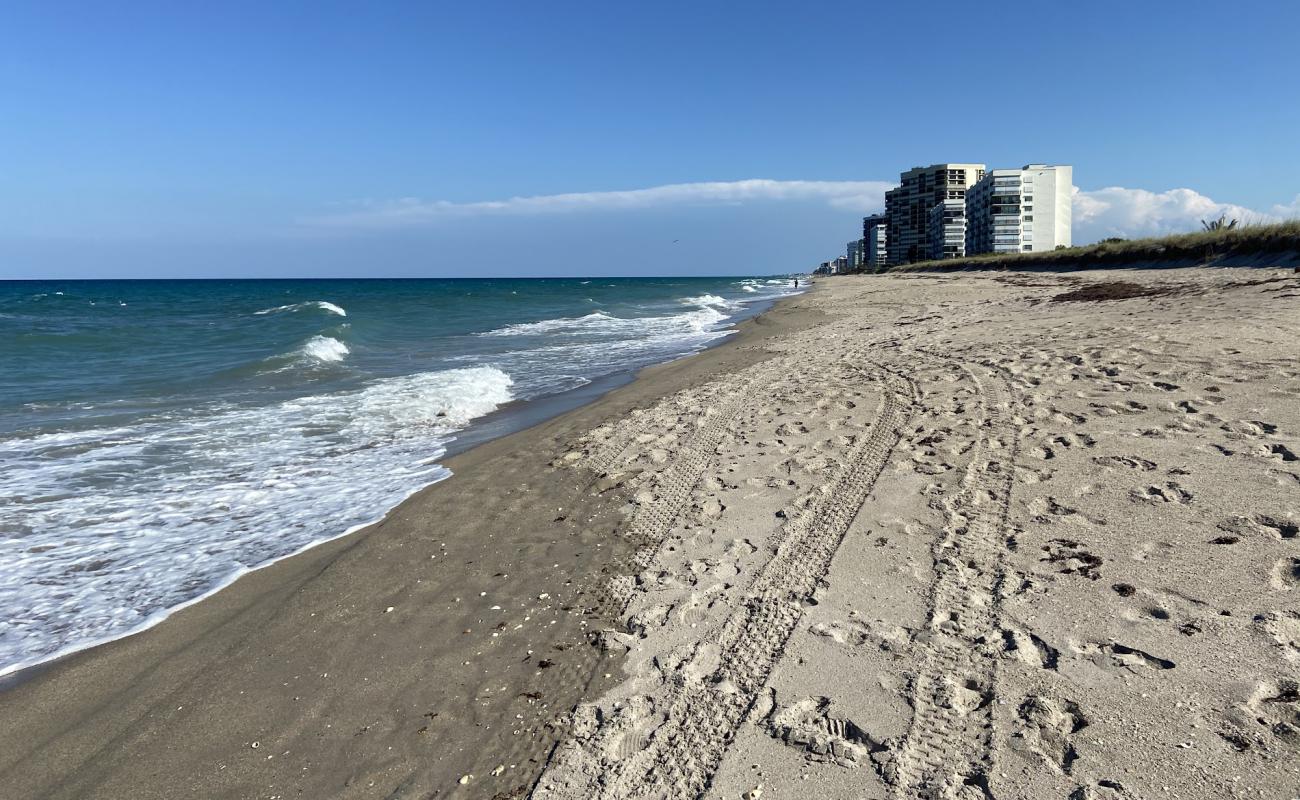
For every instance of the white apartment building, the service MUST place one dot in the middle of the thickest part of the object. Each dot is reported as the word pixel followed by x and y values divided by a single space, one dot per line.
pixel 947 226
pixel 1020 210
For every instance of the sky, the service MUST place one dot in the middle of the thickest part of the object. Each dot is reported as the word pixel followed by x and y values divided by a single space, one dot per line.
pixel 481 138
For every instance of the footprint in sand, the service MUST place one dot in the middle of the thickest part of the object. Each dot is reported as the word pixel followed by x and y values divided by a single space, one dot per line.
pixel 1284 628
pixel 1275 707
pixel 1130 658
pixel 1027 648
pixel 629 728
pixel 1048 510
pixel 1260 524
pixel 1155 495
pixel 1104 789
pixel 962 695
pixel 815 726
pixel 1277 451
pixel 1069 557
pixel 1044 726
pixel 1129 462
pixel 1285 574
pixel 856 633
pixel 1064 441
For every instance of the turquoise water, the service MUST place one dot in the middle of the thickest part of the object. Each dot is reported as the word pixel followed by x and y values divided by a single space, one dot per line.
pixel 160 438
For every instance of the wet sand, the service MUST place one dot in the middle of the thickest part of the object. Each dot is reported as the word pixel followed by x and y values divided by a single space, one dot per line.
pixel 951 536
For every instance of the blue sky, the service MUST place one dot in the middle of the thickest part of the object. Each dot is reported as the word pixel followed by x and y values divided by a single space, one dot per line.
pixel 269 139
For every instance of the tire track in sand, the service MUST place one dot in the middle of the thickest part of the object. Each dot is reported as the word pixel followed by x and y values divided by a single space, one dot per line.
pixel 652 521
pixel 947 752
pixel 704 710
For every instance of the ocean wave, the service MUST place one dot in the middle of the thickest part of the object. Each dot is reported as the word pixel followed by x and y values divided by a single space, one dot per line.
pixel 320 305
pixel 325 349
pixel 704 319
pixel 593 320
pixel 105 536
pixel 710 301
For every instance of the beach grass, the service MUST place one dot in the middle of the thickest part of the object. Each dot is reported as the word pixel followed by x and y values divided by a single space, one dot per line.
pixel 1250 244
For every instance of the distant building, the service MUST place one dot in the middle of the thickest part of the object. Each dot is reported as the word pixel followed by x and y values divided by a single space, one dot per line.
pixel 947 227
pixel 875 238
pixel 855 254
pixel 841 265
pixel 908 206
pixel 1020 210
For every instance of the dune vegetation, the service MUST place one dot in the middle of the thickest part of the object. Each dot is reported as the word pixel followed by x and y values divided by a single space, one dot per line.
pixel 1220 243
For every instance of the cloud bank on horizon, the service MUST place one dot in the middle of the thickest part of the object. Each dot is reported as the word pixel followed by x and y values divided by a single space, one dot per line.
pixel 1098 213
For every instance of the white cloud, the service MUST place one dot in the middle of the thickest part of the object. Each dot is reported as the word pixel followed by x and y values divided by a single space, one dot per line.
pixel 1098 213
pixel 1289 210
pixel 855 196
pixel 1133 213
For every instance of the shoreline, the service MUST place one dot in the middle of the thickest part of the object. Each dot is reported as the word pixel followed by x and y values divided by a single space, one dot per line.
pixel 82 677
pixel 511 418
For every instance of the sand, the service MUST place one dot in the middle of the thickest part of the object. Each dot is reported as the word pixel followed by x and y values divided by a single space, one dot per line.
pixel 966 536
pixel 965 541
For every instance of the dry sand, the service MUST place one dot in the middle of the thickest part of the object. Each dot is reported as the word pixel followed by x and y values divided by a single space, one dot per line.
pixel 906 536
pixel 963 541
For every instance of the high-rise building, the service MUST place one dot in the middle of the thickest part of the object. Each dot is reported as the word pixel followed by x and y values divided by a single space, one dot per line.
pixel 908 206
pixel 875 237
pixel 1020 210
pixel 947 227
pixel 854 252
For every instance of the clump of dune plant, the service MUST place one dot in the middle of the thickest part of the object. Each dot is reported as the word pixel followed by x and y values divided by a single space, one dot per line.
pixel 1220 224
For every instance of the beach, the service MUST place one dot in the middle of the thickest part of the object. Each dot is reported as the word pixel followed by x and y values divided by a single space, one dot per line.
pixel 1010 535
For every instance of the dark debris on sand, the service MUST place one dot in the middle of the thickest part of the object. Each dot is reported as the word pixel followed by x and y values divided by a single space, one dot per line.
pixel 1112 290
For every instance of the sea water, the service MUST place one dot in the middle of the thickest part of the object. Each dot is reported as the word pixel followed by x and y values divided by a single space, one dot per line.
pixel 160 438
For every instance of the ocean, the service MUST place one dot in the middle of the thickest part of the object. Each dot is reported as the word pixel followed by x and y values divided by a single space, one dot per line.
pixel 160 438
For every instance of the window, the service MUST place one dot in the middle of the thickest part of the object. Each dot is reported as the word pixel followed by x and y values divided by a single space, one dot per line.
pixel 1029 208
pixel 1028 218
pixel 1029 247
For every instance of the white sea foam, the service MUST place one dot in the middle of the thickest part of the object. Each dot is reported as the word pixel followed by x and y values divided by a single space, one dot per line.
pixel 710 301
pixel 107 531
pixel 320 305
pixel 593 321
pixel 324 348
pixel 599 324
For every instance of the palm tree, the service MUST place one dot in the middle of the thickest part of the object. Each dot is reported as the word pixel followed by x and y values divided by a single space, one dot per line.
pixel 1220 224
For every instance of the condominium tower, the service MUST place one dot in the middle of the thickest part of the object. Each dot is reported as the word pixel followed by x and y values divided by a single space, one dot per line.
pixel 1020 210
pixel 854 254
pixel 875 235
pixel 947 227
pixel 908 207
